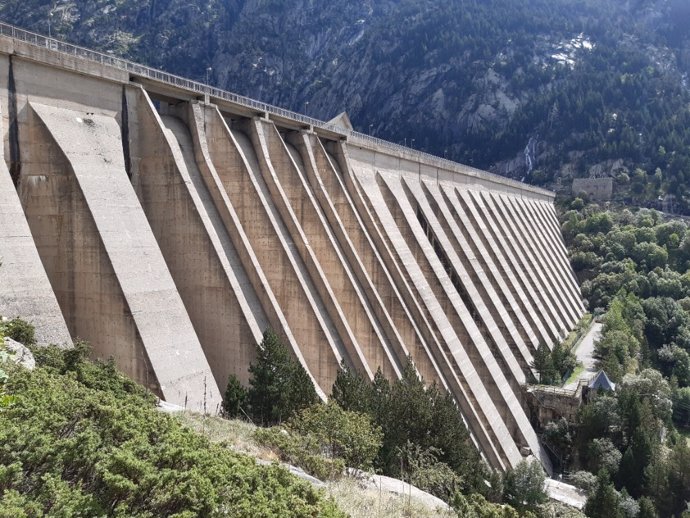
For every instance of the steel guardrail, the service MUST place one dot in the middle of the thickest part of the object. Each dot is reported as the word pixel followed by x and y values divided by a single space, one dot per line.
pixel 352 136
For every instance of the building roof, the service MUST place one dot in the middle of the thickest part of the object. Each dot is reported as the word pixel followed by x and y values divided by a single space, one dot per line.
pixel 602 381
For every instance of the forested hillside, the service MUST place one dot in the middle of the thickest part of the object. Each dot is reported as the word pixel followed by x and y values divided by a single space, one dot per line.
pixel 631 446
pixel 537 89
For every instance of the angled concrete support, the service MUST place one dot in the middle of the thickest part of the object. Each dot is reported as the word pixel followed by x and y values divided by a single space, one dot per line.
pixel 513 330
pixel 378 273
pixel 192 237
pixel 536 286
pixel 543 215
pixel 25 290
pixel 284 173
pixel 103 260
pixel 314 164
pixel 534 239
pixel 288 295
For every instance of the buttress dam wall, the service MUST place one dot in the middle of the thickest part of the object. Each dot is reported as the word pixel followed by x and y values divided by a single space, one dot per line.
pixel 169 224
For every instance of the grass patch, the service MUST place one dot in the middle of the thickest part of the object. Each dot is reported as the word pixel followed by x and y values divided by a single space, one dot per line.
pixel 235 434
pixel 579 369
pixel 350 494
pixel 576 334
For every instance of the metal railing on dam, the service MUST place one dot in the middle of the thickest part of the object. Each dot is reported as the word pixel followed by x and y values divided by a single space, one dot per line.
pixel 353 137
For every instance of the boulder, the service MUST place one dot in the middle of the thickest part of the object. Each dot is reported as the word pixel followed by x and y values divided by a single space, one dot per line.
pixel 20 354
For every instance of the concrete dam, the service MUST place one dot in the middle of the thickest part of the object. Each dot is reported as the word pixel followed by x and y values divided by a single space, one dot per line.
pixel 169 224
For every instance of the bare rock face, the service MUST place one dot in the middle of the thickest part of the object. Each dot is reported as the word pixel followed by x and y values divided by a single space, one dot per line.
pixel 474 83
pixel 20 354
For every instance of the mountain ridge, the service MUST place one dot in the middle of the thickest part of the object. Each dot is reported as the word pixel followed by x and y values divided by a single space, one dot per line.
pixel 537 91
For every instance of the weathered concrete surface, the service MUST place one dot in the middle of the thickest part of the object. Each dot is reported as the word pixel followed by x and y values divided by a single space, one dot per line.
pixel 495 244
pixel 510 238
pixel 283 173
pixel 24 287
pixel 140 303
pixel 166 225
pixel 386 288
pixel 193 238
pixel 299 313
pixel 445 310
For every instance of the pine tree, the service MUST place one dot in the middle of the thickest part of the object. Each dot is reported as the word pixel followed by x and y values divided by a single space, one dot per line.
pixel 235 398
pixel 351 391
pixel 603 503
pixel 543 364
pixel 647 509
pixel 300 391
pixel 279 385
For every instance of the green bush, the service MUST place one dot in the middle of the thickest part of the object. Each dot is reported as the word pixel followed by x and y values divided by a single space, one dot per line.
pixel 349 436
pixel 20 331
pixel 323 439
pixel 409 411
pixel 476 506
pixel 523 486
pixel 422 469
pixel 83 440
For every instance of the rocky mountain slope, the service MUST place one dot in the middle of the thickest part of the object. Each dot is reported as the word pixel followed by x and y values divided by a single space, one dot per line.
pixel 541 90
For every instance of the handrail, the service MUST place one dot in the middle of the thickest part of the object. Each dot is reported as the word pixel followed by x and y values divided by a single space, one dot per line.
pixel 354 137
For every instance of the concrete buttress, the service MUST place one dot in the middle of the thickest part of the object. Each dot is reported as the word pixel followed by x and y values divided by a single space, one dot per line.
pixel 170 225
pixel 114 285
